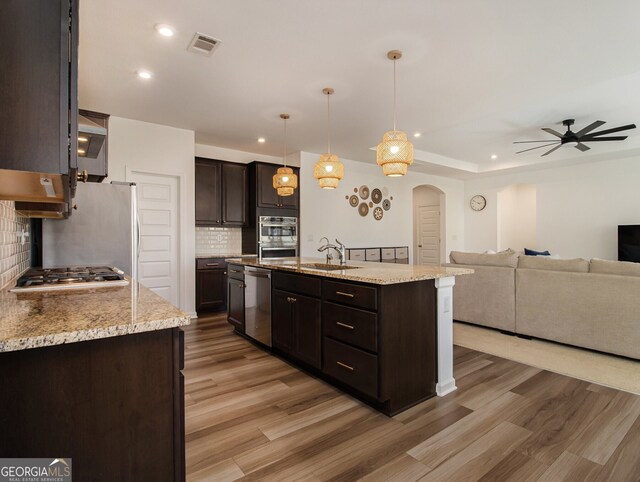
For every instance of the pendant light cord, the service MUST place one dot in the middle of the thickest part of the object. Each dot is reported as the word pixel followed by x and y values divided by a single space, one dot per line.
pixel 328 124
pixel 394 95
pixel 284 159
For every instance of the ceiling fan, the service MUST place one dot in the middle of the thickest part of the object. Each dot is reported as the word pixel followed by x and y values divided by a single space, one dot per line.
pixel 577 139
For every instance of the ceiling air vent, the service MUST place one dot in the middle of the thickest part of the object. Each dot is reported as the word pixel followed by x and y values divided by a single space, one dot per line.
pixel 203 44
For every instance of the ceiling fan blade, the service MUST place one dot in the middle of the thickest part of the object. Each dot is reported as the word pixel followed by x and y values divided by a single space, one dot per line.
pixel 589 128
pixel 551 150
pixel 551 131
pixel 612 130
pixel 598 139
pixel 582 147
pixel 539 147
pixel 525 142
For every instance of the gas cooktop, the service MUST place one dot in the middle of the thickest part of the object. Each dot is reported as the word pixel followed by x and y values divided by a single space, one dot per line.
pixel 37 279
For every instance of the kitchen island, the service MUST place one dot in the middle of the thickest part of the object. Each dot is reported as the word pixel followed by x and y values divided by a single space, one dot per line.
pixel 94 375
pixel 382 332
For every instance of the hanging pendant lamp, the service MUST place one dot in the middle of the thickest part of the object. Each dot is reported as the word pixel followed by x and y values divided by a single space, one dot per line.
pixel 328 170
pixel 395 152
pixel 285 181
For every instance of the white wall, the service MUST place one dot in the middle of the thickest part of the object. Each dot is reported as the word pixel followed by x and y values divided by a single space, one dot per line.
pixel 162 149
pixel 328 213
pixel 516 206
pixel 578 207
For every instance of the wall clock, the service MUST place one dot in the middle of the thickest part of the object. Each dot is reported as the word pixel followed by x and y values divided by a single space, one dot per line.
pixel 478 202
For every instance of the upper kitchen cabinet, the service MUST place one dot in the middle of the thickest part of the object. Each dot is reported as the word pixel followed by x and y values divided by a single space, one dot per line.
pixel 221 193
pixel 38 95
pixel 266 195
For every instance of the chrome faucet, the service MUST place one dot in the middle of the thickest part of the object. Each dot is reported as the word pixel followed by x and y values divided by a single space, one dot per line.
pixel 340 249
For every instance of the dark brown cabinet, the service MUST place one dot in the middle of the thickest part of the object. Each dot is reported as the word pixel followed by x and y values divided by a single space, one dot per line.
pixel 267 196
pixel 235 296
pixel 296 317
pixel 115 405
pixel 211 284
pixel 38 85
pixel 221 193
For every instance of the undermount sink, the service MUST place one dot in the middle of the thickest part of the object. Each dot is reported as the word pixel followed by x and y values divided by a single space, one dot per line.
pixel 327 267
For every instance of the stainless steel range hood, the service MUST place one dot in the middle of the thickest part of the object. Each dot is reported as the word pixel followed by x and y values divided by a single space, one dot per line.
pixel 91 137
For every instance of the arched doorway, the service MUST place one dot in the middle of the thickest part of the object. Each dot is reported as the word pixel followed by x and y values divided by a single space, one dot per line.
pixel 428 225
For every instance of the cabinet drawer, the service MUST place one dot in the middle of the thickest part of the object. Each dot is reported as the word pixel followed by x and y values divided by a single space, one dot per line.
pixel 354 367
pixel 236 271
pixel 402 253
pixel 210 263
pixel 357 254
pixel 372 254
pixel 402 261
pixel 351 325
pixel 350 294
pixel 305 285
pixel 388 253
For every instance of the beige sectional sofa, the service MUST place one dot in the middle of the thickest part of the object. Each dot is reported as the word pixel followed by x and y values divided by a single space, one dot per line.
pixel 592 304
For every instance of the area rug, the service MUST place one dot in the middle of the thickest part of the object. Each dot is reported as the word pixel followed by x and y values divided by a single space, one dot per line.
pixel 607 370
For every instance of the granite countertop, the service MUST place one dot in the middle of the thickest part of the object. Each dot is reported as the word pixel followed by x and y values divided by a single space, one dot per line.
pixel 366 272
pixel 45 318
pixel 224 256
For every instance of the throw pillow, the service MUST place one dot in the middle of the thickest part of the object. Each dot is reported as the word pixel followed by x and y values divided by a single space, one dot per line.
pixel 531 252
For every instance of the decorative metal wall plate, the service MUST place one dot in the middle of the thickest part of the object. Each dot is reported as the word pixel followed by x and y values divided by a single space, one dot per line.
pixel 364 192
pixel 363 209
pixel 376 195
pixel 354 201
pixel 386 204
pixel 378 213
pixel 370 204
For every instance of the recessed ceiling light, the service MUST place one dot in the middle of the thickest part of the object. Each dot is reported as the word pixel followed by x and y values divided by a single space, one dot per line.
pixel 165 30
pixel 417 134
pixel 261 140
pixel 81 151
pixel 494 156
pixel 144 74
pixel 82 139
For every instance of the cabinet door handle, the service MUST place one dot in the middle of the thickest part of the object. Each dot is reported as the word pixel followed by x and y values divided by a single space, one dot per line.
pixel 213 264
pixel 344 365
pixel 291 300
pixel 344 325
pixel 348 295
pixel 224 272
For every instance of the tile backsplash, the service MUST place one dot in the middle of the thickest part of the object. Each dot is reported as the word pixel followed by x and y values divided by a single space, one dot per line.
pixel 218 241
pixel 14 256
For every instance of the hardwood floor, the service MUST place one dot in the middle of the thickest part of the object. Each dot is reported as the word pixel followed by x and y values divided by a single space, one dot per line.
pixel 251 416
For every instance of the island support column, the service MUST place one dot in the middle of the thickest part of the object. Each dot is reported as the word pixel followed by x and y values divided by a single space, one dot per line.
pixel 446 383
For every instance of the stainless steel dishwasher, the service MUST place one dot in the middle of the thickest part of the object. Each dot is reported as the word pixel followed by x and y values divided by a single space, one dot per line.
pixel 257 304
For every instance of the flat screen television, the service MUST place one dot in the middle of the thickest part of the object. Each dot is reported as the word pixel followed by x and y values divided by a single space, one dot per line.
pixel 629 243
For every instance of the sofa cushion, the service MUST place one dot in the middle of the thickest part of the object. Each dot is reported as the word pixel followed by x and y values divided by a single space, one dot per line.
pixel 624 268
pixel 509 260
pixel 577 265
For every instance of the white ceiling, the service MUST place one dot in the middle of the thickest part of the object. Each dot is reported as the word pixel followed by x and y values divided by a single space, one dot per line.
pixel 475 75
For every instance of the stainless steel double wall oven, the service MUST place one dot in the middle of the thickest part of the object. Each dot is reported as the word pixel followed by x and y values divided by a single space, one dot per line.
pixel 278 236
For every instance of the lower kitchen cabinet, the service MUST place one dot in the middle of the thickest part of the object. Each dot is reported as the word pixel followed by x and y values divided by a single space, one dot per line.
pixel 296 320
pixel 211 284
pixel 235 296
pixel 296 326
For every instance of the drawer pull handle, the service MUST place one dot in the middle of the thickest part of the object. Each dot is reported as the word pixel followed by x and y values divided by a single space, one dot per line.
pixel 344 325
pixel 348 295
pixel 344 365
pixel 291 300
pixel 235 271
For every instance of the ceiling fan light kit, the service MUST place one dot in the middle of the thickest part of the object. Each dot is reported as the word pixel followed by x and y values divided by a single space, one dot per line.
pixel 328 170
pixel 285 181
pixel 577 139
pixel 395 153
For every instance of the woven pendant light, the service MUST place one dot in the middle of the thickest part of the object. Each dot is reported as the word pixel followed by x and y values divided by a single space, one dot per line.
pixel 395 152
pixel 328 170
pixel 285 181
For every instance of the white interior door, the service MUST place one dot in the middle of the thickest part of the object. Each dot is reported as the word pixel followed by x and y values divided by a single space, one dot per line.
pixel 158 212
pixel 429 234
